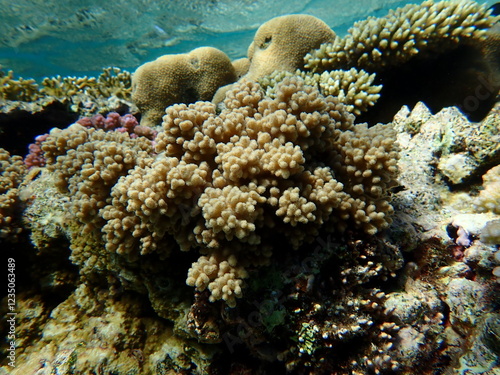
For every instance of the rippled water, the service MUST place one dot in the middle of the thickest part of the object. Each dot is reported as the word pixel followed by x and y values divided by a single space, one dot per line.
pixel 46 38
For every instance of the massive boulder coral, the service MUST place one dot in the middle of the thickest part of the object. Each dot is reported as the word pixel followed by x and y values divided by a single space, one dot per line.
pixel 182 78
pixel 279 45
pixel 282 42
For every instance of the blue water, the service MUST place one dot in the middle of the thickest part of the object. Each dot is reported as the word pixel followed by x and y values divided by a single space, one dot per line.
pixel 77 38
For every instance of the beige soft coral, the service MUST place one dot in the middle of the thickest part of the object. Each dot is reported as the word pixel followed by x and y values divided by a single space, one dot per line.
pixel 223 183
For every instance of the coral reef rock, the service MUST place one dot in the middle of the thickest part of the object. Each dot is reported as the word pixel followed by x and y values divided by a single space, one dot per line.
pixel 269 230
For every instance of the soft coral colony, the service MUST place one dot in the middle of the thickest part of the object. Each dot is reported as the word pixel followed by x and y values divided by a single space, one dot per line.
pixel 238 166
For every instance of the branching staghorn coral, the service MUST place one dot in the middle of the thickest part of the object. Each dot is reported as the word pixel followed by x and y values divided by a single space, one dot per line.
pixel 415 29
pixel 112 81
pixel 17 89
pixel 110 91
pixel 352 87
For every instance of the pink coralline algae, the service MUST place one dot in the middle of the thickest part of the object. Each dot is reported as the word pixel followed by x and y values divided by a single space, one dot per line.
pixel 35 156
pixel 114 121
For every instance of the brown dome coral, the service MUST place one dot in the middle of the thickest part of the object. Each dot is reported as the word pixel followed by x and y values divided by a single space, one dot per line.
pixel 282 42
pixel 183 78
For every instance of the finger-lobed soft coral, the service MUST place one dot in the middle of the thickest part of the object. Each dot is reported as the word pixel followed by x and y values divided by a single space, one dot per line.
pixel 294 162
pixel 222 183
pixel 12 173
pixel 431 27
pixel 85 164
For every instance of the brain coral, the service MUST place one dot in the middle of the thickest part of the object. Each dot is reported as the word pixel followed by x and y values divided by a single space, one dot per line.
pixel 225 183
pixel 282 42
pixel 183 78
